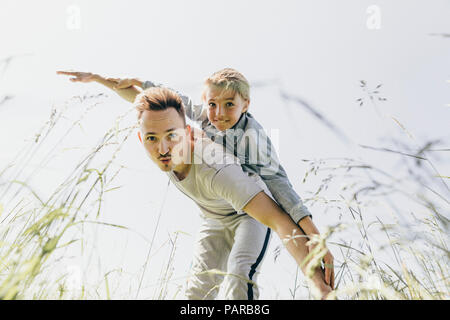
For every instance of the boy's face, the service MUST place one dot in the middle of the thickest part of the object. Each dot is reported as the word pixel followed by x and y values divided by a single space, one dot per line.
pixel 164 137
pixel 225 106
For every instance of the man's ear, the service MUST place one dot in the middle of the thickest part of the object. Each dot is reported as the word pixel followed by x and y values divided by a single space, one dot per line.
pixel 139 136
pixel 190 132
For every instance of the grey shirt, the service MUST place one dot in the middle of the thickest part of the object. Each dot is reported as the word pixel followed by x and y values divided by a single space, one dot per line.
pixel 249 143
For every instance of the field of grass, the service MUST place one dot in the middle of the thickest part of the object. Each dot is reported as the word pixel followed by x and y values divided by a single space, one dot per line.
pixel 383 248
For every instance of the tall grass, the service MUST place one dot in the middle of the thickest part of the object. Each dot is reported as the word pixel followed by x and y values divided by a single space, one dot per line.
pixel 389 239
pixel 35 232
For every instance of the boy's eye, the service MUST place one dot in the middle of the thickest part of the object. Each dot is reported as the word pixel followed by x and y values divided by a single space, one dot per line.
pixel 172 136
pixel 212 104
pixel 151 138
pixel 229 104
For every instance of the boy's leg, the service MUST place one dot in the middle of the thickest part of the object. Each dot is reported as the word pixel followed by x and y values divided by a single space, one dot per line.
pixel 211 250
pixel 251 239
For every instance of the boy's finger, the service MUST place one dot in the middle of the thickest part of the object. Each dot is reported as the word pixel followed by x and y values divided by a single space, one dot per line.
pixel 67 73
pixel 123 85
pixel 117 80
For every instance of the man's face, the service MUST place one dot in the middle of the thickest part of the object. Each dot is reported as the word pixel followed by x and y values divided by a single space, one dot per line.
pixel 224 107
pixel 164 136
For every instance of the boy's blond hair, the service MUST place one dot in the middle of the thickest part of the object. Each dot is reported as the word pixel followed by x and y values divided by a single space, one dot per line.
pixel 229 78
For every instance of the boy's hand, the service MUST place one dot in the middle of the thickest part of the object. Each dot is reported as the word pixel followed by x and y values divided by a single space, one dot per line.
pixel 129 93
pixel 126 83
pixel 79 76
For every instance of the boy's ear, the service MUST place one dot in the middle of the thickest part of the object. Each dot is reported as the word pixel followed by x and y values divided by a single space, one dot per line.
pixel 139 136
pixel 247 104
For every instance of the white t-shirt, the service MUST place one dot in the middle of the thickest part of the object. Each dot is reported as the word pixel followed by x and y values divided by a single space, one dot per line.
pixel 216 181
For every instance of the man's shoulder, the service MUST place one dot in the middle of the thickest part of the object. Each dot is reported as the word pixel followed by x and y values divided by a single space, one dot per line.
pixel 211 157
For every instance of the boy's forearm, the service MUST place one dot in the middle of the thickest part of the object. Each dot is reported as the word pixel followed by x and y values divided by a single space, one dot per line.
pixel 128 94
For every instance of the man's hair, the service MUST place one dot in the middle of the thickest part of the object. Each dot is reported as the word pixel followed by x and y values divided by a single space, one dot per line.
pixel 156 98
pixel 229 78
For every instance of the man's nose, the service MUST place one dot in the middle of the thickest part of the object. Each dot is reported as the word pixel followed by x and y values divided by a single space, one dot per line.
pixel 163 147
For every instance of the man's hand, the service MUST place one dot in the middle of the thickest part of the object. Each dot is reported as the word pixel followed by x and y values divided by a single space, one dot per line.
pixel 79 76
pixel 328 262
pixel 308 227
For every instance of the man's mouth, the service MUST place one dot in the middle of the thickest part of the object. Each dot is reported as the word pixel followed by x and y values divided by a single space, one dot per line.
pixel 165 160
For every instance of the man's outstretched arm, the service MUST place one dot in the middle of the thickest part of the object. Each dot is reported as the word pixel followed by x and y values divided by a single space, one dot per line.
pixel 245 193
pixel 128 93
pixel 265 210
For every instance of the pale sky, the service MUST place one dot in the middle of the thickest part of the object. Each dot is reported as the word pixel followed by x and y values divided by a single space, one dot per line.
pixel 316 50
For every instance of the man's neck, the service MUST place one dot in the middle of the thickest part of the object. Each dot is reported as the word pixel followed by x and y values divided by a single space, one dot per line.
pixel 181 171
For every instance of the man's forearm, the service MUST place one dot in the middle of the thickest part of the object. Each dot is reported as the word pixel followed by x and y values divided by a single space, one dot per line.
pixel 266 211
pixel 128 94
pixel 308 226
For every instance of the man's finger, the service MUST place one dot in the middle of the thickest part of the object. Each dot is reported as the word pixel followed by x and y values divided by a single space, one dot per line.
pixel 330 275
pixel 332 280
pixel 327 275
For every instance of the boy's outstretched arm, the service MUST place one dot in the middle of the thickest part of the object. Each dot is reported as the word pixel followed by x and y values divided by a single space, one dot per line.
pixel 128 93
pixel 195 112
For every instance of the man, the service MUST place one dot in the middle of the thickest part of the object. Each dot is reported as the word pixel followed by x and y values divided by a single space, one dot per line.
pixel 230 238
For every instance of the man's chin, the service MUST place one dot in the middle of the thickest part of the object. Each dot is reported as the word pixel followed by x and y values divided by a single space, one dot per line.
pixel 165 167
